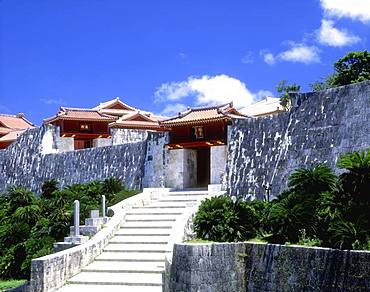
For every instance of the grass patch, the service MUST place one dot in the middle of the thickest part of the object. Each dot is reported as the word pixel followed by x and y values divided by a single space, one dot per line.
pixel 9 284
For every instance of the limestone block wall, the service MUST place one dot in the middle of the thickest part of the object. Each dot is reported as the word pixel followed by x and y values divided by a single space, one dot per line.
pixel 319 128
pixel 218 163
pixel 181 168
pixel 32 159
pixel 123 136
pixel 266 267
pixel 155 160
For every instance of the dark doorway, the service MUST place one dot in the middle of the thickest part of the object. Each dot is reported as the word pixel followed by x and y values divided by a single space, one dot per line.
pixel 203 167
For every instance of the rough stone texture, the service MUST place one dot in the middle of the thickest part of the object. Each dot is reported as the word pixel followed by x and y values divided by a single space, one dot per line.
pixel 218 163
pixel 155 160
pixel 24 163
pixel 267 267
pixel 102 142
pixel 319 128
pixel 123 136
pixel 181 166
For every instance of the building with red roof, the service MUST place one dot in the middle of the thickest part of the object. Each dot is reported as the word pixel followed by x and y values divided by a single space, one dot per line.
pixel 11 127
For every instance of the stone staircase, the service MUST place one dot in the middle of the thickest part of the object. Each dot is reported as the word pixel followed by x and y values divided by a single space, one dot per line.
pixel 134 259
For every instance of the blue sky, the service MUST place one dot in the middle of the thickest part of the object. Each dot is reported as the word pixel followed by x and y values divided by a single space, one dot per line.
pixel 164 55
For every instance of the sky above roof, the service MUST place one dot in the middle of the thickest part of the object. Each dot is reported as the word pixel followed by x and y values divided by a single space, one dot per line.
pixel 162 56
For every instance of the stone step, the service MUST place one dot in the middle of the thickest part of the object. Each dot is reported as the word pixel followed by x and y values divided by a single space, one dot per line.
pixel 143 239
pixel 110 288
pixel 186 197
pixel 188 193
pixel 131 257
pixel 164 208
pixel 143 232
pixel 129 279
pixel 176 200
pixel 129 247
pixel 171 204
pixel 155 217
pixel 126 267
pixel 153 212
pixel 150 219
pixel 147 224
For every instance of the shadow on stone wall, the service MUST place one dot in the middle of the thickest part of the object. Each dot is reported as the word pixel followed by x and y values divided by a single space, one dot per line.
pixel 267 267
pixel 320 127
pixel 24 164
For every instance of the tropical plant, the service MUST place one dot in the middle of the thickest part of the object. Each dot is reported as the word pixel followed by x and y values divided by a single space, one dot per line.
pixel 219 219
pixel 283 88
pixel 313 180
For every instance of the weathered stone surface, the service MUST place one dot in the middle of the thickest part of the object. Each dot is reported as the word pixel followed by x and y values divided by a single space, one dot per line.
pixel 319 128
pixel 267 267
pixel 155 160
pixel 24 163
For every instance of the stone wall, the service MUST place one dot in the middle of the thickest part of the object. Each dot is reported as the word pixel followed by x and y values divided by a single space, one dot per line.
pixel 319 128
pixel 267 267
pixel 123 136
pixel 33 158
pixel 155 160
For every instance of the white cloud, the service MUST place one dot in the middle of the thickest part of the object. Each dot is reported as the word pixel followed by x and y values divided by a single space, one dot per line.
pixel 262 94
pixel 355 9
pixel 328 35
pixel 300 53
pixel 173 109
pixel 52 101
pixel 205 91
pixel 247 58
pixel 172 91
pixel 268 57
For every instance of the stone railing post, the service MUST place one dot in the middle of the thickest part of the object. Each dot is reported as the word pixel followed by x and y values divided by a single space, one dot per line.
pixel 77 217
pixel 103 205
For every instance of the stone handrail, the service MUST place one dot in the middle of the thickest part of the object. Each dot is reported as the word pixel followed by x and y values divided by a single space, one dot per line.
pixel 50 272
pixel 182 231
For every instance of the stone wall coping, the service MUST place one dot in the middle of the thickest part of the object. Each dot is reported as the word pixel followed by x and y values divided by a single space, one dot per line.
pixel 50 272
pixel 192 244
pixel 255 266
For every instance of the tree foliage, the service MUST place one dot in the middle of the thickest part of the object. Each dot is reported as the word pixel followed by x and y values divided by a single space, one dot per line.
pixel 283 88
pixel 354 67
pixel 29 225
pixel 318 208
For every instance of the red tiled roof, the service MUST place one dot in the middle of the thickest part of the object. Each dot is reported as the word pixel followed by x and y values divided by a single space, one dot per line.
pixel 11 136
pixel 15 122
pixel 80 115
pixel 204 115
pixel 137 120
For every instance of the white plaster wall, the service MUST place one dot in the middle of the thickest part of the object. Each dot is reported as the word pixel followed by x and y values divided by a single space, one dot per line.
pixel 218 163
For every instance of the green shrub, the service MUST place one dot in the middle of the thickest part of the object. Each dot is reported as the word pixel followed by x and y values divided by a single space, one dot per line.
pixel 29 224
pixel 219 219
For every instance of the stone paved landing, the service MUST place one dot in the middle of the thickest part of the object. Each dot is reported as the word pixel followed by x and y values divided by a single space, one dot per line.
pixel 133 261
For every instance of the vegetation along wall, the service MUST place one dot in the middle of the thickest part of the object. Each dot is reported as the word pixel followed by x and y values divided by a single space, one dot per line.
pixel 266 267
pixel 319 127
pixel 30 161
